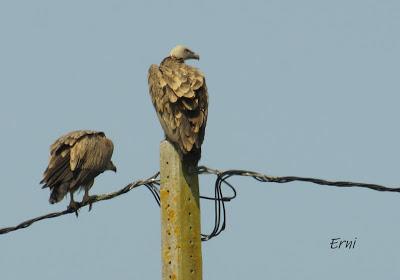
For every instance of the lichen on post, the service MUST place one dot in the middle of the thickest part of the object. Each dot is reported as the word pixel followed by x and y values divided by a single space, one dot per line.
pixel 180 218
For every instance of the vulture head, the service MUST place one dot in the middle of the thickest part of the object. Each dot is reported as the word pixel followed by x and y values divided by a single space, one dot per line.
pixel 184 53
pixel 111 166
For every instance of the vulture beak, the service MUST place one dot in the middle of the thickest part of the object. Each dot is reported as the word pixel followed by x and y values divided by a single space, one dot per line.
pixel 112 167
pixel 195 56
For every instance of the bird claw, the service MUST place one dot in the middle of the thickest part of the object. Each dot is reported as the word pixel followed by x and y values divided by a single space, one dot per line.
pixel 74 206
pixel 86 199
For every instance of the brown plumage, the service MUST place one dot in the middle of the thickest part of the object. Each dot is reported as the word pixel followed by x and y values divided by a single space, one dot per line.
pixel 179 95
pixel 75 160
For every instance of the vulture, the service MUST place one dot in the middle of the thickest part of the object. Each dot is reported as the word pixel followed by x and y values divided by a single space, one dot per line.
pixel 76 158
pixel 179 95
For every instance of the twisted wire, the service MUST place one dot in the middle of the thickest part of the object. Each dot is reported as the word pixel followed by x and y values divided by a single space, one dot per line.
pixel 153 184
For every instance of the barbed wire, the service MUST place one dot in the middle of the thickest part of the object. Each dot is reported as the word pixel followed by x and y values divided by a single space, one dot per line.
pixel 222 176
pixel 149 183
pixel 153 184
pixel 288 179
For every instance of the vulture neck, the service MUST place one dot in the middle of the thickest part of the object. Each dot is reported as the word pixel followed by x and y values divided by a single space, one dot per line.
pixel 173 59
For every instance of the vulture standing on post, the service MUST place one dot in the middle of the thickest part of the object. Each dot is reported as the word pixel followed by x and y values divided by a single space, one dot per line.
pixel 75 160
pixel 179 95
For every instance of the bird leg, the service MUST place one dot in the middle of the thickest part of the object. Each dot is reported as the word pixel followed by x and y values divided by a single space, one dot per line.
pixel 87 197
pixel 73 204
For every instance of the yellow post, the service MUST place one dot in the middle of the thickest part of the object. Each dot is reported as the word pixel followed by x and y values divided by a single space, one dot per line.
pixel 180 218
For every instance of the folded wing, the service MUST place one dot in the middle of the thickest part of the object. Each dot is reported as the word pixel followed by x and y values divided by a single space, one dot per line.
pixel 75 160
pixel 179 95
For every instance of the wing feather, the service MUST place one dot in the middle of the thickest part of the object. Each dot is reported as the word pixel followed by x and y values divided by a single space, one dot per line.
pixel 70 139
pixel 92 152
pixel 179 95
pixel 76 158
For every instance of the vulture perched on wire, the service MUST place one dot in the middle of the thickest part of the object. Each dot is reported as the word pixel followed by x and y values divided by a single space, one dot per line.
pixel 179 95
pixel 75 160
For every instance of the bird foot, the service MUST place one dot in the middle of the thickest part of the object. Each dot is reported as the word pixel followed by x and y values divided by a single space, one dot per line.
pixel 74 206
pixel 88 198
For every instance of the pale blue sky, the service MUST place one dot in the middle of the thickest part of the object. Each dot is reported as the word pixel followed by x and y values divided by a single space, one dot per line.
pixel 307 88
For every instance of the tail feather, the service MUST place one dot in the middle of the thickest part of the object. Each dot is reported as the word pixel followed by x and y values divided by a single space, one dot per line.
pixel 191 158
pixel 58 193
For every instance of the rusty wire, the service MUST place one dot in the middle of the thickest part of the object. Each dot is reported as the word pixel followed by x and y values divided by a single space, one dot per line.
pixel 153 183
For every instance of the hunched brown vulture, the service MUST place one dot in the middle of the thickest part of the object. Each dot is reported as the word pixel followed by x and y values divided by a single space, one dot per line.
pixel 179 95
pixel 75 160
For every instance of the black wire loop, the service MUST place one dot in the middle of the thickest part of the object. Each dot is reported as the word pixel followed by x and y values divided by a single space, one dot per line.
pixel 153 184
